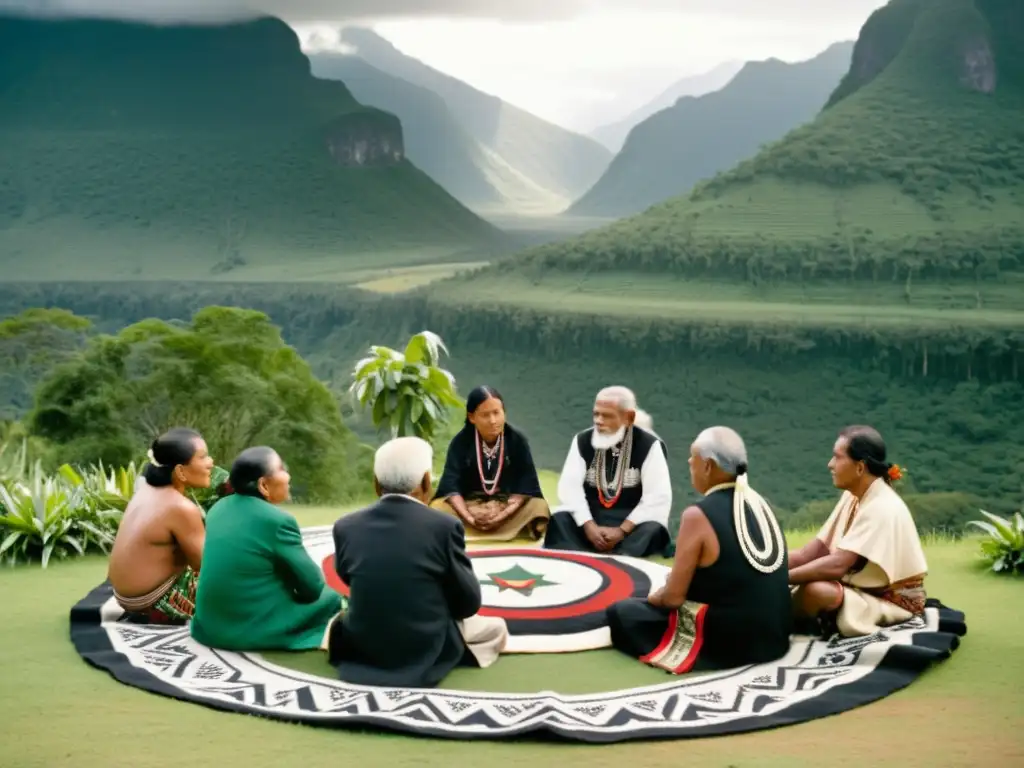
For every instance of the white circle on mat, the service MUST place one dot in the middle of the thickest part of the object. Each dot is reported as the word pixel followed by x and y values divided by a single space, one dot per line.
pixel 531 581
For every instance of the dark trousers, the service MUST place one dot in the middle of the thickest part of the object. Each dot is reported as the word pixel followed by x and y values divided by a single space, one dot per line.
pixel 647 539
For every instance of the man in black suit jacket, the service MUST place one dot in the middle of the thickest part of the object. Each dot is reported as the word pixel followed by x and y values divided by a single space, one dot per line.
pixel 413 595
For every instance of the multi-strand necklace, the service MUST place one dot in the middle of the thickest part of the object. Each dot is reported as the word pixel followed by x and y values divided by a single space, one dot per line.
pixel 613 489
pixel 767 558
pixel 488 454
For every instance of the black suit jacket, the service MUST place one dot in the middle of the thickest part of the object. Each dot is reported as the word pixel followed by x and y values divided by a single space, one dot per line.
pixel 409 580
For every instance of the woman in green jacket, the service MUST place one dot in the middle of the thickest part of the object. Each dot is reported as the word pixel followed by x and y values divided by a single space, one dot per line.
pixel 258 588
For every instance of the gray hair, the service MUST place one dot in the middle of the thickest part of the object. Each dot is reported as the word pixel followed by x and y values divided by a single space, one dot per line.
pixel 644 421
pixel 400 464
pixel 623 397
pixel 725 447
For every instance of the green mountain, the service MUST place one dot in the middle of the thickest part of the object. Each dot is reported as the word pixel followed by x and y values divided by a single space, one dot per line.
pixel 154 151
pixel 697 137
pixel 868 267
pixel 434 139
pixel 914 171
pixel 533 165
pixel 613 135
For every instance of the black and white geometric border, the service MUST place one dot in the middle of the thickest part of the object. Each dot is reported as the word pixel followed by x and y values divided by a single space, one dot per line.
pixel 815 679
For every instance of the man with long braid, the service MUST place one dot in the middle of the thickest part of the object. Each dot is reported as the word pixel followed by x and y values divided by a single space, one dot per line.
pixel 726 601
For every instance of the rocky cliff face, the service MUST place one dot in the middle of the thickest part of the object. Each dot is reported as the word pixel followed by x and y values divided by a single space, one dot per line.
pixel 977 64
pixel 881 40
pixel 365 139
pixel 958 37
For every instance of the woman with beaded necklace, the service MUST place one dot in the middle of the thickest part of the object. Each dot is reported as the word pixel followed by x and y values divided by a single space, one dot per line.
pixel 489 479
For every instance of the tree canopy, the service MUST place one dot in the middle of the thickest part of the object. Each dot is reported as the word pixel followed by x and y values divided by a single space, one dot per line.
pixel 31 343
pixel 228 374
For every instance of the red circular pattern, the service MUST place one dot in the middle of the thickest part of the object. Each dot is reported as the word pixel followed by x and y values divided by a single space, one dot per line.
pixel 620 585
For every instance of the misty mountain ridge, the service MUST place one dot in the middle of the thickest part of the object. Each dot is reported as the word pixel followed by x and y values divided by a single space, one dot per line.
pixel 613 135
pixel 912 174
pixel 699 136
pixel 529 162
pixel 214 141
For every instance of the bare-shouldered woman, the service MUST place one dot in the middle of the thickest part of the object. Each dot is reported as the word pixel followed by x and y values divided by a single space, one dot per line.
pixel 154 564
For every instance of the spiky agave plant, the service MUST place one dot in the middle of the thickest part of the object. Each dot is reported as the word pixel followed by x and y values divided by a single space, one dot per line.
pixel 46 517
pixel 1003 545
pixel 110 488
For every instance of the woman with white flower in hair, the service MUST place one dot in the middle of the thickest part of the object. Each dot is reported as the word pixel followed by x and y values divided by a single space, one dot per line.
pixel 726 602
pixel 154 563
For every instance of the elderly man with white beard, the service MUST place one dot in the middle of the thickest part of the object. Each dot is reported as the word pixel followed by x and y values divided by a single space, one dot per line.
pixel 614 494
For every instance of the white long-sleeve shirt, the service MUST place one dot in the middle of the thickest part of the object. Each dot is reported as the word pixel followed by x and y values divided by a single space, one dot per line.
pixel 655 504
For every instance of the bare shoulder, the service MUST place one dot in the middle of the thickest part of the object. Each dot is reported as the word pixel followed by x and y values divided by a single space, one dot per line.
pixel 694 522
pixel 694 515
pixel 185 509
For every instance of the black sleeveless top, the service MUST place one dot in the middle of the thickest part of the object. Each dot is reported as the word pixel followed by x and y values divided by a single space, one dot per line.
pixel 632 484
pixel 749 615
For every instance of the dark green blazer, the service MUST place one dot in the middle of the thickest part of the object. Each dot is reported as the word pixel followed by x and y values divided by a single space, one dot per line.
pixel 258 587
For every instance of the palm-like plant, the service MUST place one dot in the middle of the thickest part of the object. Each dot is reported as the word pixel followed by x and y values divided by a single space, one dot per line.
pixel 111 488
pixel 407 392
pixel 46 517
pixel 1003 547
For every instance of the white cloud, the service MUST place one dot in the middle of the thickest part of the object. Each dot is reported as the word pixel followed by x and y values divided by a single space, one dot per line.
pixel 576 62
pixel 499 10
pixel 598 67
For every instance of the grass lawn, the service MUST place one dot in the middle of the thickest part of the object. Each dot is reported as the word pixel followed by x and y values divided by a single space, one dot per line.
pixel 55 710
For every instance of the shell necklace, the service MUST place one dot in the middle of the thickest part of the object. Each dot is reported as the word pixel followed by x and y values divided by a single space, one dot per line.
pixel 490 487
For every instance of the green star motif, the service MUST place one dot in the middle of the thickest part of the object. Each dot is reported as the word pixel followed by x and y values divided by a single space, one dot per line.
pixel 518 579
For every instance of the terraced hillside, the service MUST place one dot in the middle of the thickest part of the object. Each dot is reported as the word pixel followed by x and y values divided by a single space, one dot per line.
pixel 914 171
pixel 697 137
pixel 202 151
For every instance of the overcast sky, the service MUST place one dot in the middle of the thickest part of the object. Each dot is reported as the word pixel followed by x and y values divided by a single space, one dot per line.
pixel 575 62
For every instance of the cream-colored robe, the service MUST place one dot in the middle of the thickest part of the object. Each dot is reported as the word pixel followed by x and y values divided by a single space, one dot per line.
pixel 882 531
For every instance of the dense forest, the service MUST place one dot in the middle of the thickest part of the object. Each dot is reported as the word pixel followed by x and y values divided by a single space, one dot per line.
pixel 788 390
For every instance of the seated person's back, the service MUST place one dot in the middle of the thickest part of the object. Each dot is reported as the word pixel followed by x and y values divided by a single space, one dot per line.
pixel 411 584
pixel 259 589
pixel 726 602
pixel 158 550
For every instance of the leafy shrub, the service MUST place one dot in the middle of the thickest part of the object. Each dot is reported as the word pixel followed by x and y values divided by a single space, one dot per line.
pixel 227 374
pixel 1003 547
pixel 101 488
pixel 44 517
pixel 14 462
pixel 407 392
pixel 206 497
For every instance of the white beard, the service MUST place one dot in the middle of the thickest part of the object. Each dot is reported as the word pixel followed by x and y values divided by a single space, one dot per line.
pixel 601 442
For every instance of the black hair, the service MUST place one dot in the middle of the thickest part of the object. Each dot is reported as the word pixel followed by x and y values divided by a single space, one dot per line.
pixel 247 469
pixel 864 443
pixel 175 446
pixel 478 397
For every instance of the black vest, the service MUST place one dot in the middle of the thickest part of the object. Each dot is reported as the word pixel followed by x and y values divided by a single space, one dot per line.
pixel 750 613
pixel 632 485
pixel 731 580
